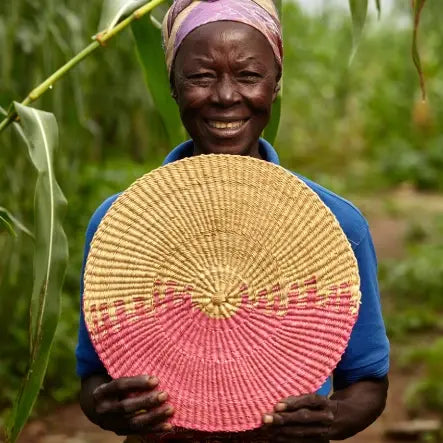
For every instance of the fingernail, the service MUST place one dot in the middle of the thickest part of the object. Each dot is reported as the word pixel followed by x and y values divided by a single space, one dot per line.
pixel 153 381
pixel 281 407
pixel 169 410
pixel 98 389
pixel 167 427
pixel 162 396
pixel 268 419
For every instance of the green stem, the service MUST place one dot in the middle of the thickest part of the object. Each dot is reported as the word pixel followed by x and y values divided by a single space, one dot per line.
pixel 49 82
pixel 418 8
pixel 100 40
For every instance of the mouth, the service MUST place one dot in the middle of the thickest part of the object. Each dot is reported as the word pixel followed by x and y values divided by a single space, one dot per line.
pixel 226 129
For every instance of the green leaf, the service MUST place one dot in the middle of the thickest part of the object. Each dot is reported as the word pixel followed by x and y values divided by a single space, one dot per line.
pixel 271 130
pixel 50 259
pixel 359 11
pixel 9 221
pixel 114 10
pixel 378 7
pixel 151 56
pixel 418 8
pixel 7 226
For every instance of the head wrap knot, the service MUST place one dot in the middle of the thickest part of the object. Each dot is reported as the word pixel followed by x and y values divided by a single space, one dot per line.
pixel 186 15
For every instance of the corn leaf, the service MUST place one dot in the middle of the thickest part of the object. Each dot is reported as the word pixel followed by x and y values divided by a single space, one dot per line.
pixel 50 259
pixel 114 10
pixel 150 54
pixel 6 225
pixel 378 7
pixel 418 8
pixel 271 130
pixel 359 11
pixel 10 222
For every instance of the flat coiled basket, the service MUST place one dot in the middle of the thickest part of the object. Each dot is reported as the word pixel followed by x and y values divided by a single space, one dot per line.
pixel 228 279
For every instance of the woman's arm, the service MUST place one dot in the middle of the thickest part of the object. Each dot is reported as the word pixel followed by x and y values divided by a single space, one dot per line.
pixel 320 419
pixel 357 406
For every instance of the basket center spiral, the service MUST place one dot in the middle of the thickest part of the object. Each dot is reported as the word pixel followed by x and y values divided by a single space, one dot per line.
pixel 218 299
pixel 216 291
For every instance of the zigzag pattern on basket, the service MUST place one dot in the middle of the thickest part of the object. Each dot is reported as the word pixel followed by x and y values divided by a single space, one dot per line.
pixel 115 315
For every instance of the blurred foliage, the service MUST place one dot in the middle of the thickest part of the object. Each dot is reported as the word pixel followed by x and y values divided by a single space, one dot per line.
pixel 414 286
pixel 367 117
pixel 415 283
pixel 427 391
pixel 352 128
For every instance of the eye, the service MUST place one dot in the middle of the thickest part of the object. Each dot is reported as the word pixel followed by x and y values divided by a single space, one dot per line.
pixel 201 77
pixel 250 76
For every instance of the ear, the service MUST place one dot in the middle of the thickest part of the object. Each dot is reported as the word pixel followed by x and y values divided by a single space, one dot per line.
pixel 174 94
pixel 277 82
pixel 276 91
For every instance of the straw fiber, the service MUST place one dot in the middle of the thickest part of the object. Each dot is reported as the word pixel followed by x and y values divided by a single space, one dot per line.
pixel 227 278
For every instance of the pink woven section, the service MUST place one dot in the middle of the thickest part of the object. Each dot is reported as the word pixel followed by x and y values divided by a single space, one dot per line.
pixel 222 374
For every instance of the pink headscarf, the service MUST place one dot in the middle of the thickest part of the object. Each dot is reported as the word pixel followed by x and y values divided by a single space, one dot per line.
pixel 186 15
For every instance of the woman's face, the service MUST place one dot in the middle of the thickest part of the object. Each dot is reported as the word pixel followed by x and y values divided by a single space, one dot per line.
pixel 225 79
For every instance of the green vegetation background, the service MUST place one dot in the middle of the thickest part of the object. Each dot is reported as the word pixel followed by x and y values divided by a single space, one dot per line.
pixel 359 130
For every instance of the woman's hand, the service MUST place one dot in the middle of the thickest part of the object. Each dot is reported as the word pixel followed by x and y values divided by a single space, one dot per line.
pixel 127 405
pixel 306 418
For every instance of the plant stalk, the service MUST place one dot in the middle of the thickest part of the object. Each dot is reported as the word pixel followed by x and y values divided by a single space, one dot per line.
pixel 418 8
pixel 99 40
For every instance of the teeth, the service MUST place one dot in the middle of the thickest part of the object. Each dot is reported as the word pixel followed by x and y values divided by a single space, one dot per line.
pixel 226 125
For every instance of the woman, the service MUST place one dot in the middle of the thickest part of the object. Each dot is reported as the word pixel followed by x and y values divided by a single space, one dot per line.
pixel 224 58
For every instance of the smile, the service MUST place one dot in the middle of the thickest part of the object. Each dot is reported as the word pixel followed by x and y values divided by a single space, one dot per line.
pixel 226 125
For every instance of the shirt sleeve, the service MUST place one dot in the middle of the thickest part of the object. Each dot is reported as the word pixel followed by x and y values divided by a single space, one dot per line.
pixel 367 353
pixel 88 361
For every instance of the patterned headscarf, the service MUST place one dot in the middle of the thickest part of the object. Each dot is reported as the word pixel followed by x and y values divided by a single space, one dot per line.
pixel 186 15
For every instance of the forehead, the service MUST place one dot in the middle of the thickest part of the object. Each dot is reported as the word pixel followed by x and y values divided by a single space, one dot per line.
pixel 225 38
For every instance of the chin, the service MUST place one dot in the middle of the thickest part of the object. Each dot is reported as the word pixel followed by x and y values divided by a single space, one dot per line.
pixel 231 149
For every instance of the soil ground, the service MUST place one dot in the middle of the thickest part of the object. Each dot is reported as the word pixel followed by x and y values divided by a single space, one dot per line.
pixel 388 226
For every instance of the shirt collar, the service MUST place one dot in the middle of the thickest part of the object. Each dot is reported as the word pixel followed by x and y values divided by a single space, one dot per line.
pixel 186 148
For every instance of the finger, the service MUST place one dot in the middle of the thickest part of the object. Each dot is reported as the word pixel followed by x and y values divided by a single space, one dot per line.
pixel 312 401
pixel 143 402
pixel 125 385
pixel 303 432
pixel 285 439
pixel 132 404
pixel 303 416
pixel 146 421
pixel 160 428
pixel 147 432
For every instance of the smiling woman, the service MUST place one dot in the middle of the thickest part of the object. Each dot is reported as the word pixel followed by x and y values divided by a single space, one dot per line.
pixel 224 58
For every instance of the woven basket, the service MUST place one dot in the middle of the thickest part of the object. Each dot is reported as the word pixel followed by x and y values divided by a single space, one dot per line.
pixel 227 278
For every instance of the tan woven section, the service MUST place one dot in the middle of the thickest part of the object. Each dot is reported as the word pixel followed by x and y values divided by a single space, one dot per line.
pixel 216 222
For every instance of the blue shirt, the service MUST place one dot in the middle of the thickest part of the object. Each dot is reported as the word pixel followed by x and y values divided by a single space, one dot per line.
pixel 367 353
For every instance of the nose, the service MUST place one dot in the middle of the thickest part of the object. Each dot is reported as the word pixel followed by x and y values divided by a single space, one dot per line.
pixel 225 92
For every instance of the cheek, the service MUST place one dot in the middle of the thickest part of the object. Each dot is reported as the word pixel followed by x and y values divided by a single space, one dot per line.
pixel 260 97
pixel 192 99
